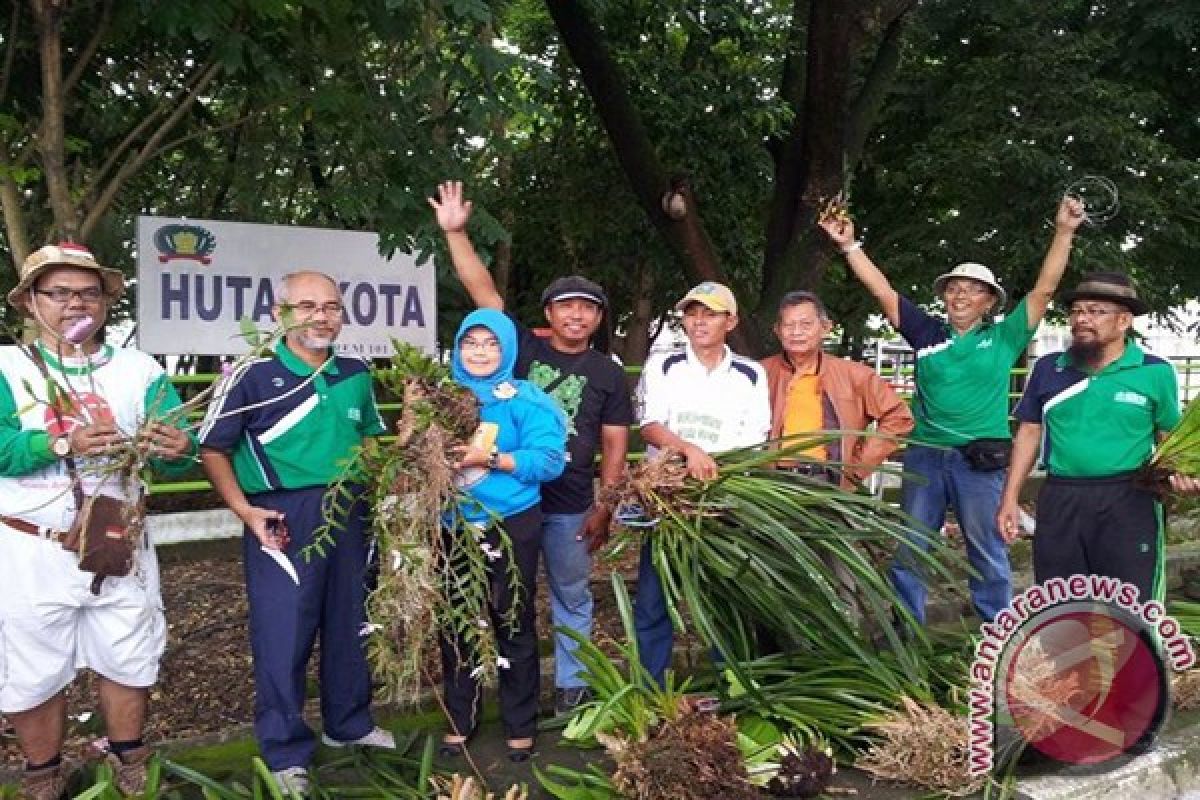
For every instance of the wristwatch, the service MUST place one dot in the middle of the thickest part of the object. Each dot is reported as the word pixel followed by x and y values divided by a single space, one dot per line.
pixel 493 458
pixel 60 446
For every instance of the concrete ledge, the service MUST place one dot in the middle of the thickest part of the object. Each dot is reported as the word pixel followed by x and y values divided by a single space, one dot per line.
pixel 193 526
pixel 1170 770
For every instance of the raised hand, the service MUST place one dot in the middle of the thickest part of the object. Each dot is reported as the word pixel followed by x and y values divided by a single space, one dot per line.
pixel 836 223
pixel 451 209
pixel 1071 214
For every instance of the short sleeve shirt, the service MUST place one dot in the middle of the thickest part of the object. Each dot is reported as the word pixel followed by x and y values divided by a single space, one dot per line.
pixel 722 409
pixel 962 379
pixel 288 428
pixel 590 388
pixel 1102 424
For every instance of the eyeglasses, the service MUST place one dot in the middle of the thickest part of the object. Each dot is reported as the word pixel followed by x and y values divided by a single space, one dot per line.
pixel 308 309
pixel 486 345
pixel 61 295
pixel 1092 311
pixel 969 289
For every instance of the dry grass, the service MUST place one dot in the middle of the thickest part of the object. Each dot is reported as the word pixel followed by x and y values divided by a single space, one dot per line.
pixel 1040 689
pixel 1186 688
pixel 459 788
pixel 692 757
pixel 923 745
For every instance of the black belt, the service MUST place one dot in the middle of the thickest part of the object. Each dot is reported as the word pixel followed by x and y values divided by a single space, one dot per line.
pixel 812 471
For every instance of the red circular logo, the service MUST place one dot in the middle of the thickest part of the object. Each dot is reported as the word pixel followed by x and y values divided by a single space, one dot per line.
pixel 80 408
pixel 1085 684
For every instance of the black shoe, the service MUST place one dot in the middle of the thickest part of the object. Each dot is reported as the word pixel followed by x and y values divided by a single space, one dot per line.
pixel 567 700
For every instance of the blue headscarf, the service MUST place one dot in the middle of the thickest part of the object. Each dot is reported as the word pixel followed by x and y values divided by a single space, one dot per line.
pixel 506 333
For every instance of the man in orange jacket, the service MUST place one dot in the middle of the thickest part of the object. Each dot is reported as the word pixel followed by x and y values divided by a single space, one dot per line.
pixel 812 391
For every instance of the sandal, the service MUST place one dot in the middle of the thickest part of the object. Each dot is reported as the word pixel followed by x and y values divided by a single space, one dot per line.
pixel 519 754
pixel 449 749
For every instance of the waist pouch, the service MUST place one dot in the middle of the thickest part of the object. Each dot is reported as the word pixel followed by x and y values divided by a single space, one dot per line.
pixel 102 537
pixel 987 455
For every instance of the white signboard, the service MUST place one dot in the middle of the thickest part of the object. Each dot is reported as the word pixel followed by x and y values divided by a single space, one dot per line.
pixel 197 278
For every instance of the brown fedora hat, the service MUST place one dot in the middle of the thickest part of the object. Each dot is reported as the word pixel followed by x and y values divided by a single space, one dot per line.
pixel 66 254
pixel 1111 286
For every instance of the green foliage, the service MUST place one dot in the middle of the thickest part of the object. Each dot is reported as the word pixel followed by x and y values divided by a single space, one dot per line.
pixel 724 548
pixel 1180 451
pixel 996 108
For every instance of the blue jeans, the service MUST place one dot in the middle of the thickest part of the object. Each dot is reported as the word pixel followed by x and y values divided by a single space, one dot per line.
pixel 975 498
pixel 568 571
pixel 655 636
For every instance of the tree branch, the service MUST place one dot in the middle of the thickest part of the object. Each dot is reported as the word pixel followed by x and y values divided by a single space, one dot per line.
pixel 200 134
pixel 89 50
pixel 10 50
pixel 866 105
pixel 138 160
pixel 14 213
pixel 117 153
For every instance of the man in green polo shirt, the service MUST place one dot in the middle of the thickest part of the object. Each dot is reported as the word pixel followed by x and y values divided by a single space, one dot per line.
pixel 1097 410
pixel 277 435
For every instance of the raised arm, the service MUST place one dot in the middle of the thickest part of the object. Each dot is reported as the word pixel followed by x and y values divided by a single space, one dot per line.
pixel 453 212
pixel 840 230
pixel 1070 215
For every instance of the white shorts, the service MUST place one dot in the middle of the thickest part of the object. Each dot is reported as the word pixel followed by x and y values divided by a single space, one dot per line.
pixel 51 624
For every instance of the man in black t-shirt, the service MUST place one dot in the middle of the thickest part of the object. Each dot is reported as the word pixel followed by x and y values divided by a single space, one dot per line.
pixel 590 387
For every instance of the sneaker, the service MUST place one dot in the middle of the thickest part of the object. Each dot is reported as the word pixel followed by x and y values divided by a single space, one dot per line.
pixel 567 700
pixel 129 771
pixel 47 783
pixel 293 781
pixel 376 737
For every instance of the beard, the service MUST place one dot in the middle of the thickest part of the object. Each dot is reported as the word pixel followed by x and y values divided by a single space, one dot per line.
pixel 1086 354
pixel 314 342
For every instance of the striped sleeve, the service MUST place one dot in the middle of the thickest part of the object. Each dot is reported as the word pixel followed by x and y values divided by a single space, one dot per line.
pixel 224 422
pixel 1029 408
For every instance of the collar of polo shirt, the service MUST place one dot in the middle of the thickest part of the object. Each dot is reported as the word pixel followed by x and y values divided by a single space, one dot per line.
pixel 298 367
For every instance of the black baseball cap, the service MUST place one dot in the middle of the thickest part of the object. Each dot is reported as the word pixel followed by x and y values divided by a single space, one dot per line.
pixel 573 286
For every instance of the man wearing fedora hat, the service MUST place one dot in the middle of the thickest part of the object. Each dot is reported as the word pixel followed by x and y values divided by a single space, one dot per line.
pixel 1098 407
pixel 961 439
pixel 53 618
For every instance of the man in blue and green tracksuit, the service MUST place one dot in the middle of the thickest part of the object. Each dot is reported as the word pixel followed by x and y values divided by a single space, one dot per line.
pixel 1096 411
pixel 277 435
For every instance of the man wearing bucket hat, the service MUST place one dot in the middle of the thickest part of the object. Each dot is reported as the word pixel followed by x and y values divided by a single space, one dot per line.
pixel 1098 407
pixel 54 618
pixel 591 390
pixel 961 441
pixel 703 400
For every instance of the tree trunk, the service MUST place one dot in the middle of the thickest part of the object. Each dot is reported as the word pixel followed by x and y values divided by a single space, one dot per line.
pixel 635 344
pixel 48 18
pixel 648 178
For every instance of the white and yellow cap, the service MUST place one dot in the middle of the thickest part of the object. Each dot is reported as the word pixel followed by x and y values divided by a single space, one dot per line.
pixel 714 295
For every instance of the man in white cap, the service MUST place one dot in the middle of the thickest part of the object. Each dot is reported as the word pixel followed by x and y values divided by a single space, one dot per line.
pixel 54 616
pixel 703 400
pixel 961 441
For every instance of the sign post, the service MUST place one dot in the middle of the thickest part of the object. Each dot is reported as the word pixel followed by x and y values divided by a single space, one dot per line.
pixel 198 278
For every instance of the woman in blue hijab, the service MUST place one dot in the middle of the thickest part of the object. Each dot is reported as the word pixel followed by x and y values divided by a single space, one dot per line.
pixel 520 445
